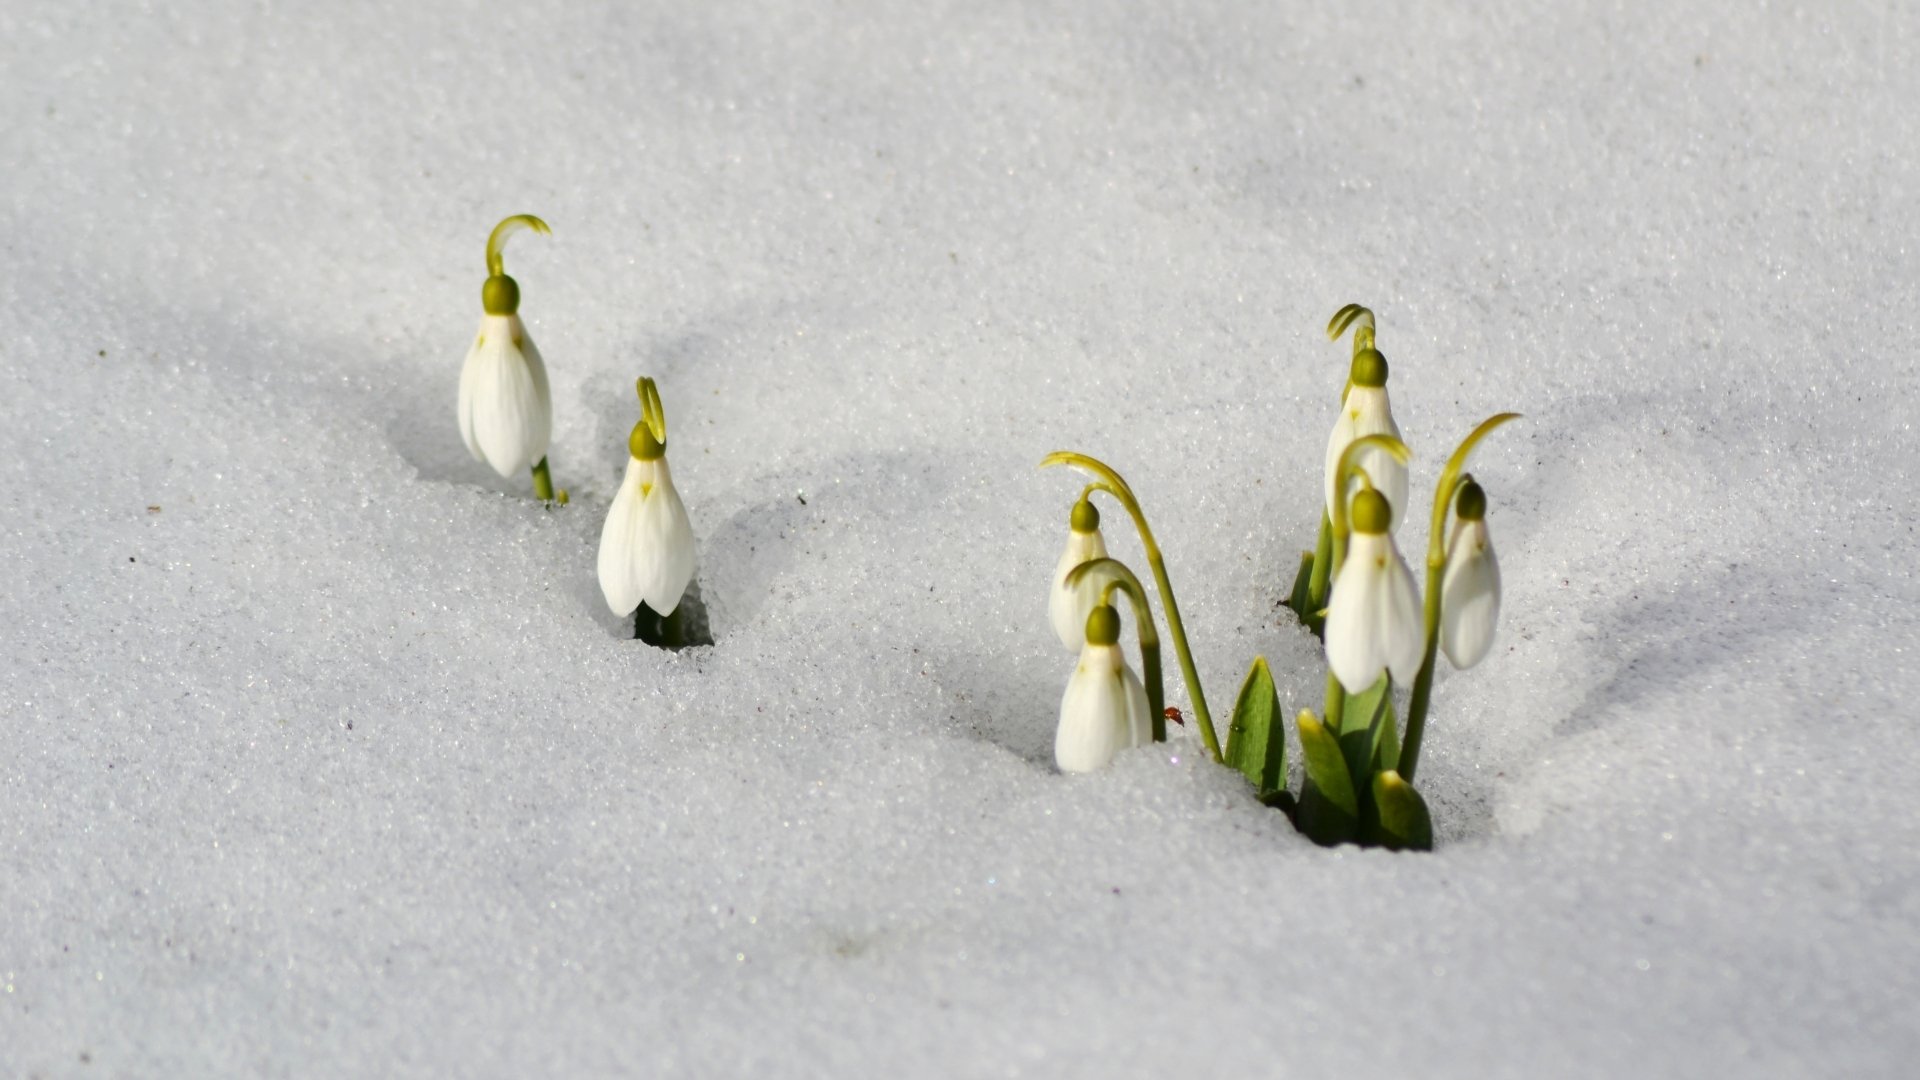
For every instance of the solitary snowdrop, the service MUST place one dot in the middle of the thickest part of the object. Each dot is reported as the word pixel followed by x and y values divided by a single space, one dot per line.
pixel 646 546
pixel 1104 710
pixel 506 411
pixel 1069 605
pixel 1470 587
pixel 1366 411
pixel 1373 618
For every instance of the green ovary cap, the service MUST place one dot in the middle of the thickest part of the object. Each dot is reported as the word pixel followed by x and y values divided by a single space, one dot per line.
pixel 500 295
pixel 1471 503
pixel 1369 368
pixel 642 445
pixel 1371 513
pixel 1103 625
pixel 1085 517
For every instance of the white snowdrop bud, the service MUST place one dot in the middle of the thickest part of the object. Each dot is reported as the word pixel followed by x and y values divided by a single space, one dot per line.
pixel 1069 606
pixel 646 546
pixel 506 412
pixel 1104 710
pixel 1373 617
pixel 1470 585
pixel 1367 411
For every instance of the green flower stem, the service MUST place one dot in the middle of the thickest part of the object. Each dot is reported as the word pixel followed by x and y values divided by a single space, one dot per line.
pixel 1362 334
pixel 1118 488
pixel 1443 493
pixel 542 481
pixel 1423 682
pixel 1343 475
pixel 1123 579
pixel 497 240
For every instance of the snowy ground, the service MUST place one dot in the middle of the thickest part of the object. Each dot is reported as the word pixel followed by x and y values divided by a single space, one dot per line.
pixel 321 756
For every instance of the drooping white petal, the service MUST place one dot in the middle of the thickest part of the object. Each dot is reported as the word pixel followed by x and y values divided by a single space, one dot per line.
pixel 1368 411
pixel 506 410
pixel 1469 595
pixel 646 545
pixel 468 376
pixel 1373 617
pixel 667 534
pixel 1067 608
pixel 1103 711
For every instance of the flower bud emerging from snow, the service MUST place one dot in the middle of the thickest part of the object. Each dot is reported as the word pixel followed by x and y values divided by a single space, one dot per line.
pixel 646 546
pixel 1367 411
pixel 1069 606
pixel 506 413
pixel 1104 710
pixel 1373 618
pixel 1470 586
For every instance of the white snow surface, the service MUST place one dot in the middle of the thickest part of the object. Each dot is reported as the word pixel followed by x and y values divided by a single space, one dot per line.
pixel 321 756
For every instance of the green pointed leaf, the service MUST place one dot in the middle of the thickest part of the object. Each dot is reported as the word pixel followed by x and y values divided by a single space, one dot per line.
pixel 1328 809
pixel 1300 598
pixel 1404 824
pixel 1255 744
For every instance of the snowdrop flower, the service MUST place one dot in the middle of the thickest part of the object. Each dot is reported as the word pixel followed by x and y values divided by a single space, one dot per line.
pixel 1366 411
pixel 1470 586
pixel 1069 606
pixel 506 411
pixel 646 546
pixel 1373 618
pixel 1104 710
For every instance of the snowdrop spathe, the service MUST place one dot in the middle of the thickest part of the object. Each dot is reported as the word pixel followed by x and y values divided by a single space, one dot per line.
pixel 646 546
pixel 1366 410
pixel 505 407
pixel 1069 605
pixel 1104 709
pixel 1470 586
pixel 1374 622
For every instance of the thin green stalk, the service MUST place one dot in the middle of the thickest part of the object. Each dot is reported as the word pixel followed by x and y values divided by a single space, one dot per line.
pixel 497 239
pixel 1423 682
pixel 1123 579
pixel 1443 493
pixel 1118 488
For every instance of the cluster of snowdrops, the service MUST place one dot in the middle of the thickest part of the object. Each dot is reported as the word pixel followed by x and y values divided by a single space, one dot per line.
pixel 1354 589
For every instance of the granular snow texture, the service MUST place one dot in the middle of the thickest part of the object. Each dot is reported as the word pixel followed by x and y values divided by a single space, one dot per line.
pixel 320 754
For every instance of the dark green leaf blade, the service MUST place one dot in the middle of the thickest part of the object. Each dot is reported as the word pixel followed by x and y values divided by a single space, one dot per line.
pixel 1329 812
pixel 1404 824
pixel 1255 744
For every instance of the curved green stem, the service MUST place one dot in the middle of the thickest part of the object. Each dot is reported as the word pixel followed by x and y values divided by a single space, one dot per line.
pixel 1362 334
pixel 1118 488
pixel 1343 474
pixel 497 240
pixel 1443 494
pixel 1122 578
